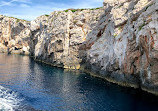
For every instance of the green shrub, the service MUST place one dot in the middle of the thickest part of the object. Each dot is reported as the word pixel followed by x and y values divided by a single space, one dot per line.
pixel 115 35
pixel 96 8
pixel 140 27
pixel 46 15
pixel 82 9
pixel 75 21
pixel 17 20
pixel 66 10
pixel 74 10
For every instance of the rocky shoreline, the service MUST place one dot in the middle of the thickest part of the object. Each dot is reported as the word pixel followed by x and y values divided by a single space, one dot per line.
pixel 121 83
pixel 117 42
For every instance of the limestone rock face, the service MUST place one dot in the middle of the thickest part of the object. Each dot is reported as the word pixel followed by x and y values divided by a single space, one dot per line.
pixel 14 35
pixel 56 38
pixel 123 45
pixel 53 38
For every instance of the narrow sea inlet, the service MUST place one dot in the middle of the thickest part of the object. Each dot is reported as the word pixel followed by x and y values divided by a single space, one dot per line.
pixel 29 86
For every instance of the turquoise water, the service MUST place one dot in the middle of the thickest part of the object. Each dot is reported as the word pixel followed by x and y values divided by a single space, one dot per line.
pixel 29 86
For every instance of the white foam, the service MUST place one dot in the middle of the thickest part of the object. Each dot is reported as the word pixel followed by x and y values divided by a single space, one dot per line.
pixel 9 100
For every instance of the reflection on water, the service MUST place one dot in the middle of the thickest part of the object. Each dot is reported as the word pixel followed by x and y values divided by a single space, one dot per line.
pixel 35 86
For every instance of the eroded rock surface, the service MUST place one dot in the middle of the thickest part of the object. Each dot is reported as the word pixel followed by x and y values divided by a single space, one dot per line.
pixel 53 38
pixel 56 38
pixel 14 35
pixel 123 45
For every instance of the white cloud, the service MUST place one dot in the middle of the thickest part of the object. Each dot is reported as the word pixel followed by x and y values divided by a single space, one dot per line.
pixel 10 3
pixel 3 3
pixel 22 1
pixel 24 6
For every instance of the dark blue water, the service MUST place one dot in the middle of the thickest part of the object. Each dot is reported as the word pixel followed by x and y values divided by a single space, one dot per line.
pixel 29 86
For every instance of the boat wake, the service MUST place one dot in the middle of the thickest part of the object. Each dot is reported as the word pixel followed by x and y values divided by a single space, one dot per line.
pixel 9 100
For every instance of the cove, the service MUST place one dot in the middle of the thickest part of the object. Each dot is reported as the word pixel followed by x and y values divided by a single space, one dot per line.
pixel 28 85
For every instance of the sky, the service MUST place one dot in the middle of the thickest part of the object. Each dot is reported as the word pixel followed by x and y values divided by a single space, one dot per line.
pixel 30 9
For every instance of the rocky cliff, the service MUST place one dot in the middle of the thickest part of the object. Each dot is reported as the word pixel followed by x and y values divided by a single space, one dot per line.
pixel 56 38
pixel 53 39
pixel 14 35
pixel 123 46
pixel 117 42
